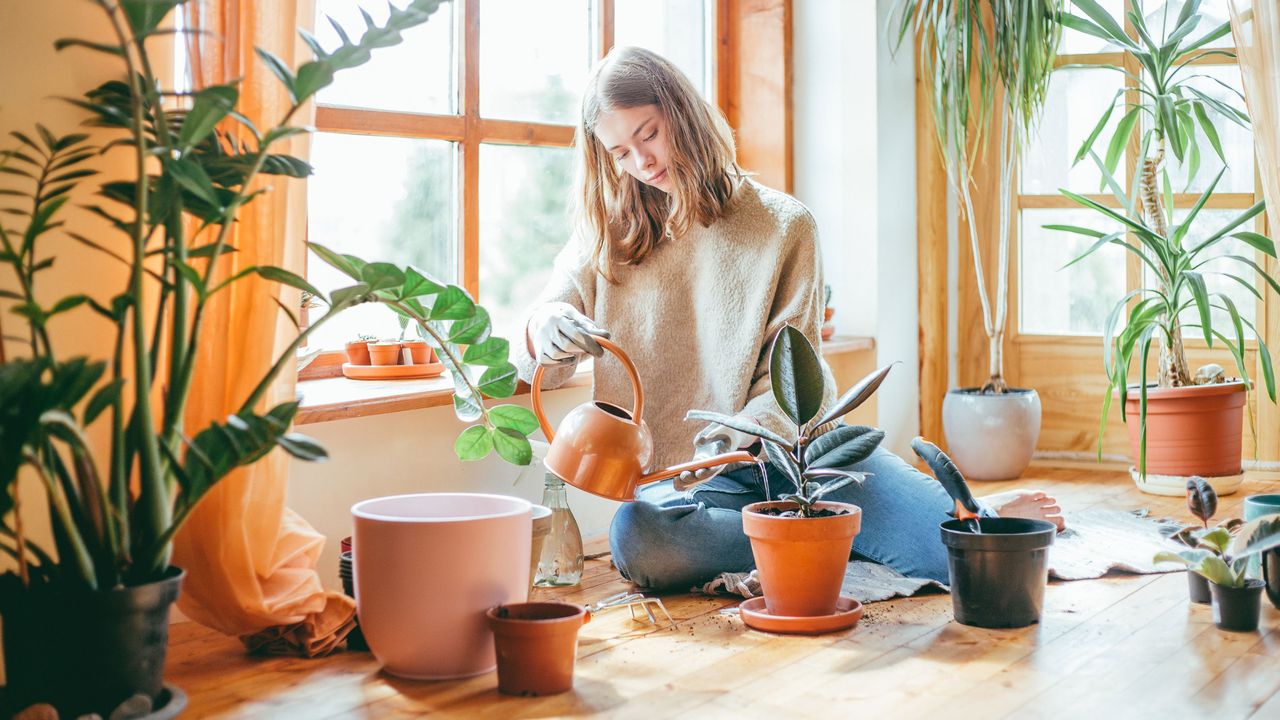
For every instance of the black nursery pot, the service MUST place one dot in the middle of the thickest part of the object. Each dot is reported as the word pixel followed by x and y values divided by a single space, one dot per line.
pixel 355 639
pixel 86 652
pixel 1271 575
pixel 998 577
pixel 1237 608
pixel 1198 586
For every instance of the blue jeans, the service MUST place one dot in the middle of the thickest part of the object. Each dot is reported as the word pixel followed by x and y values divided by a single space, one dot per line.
pixel 669 539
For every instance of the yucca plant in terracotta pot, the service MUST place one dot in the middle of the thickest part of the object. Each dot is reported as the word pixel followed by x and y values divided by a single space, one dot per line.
pixel 801 542
pixel 1184 423
pixel 86 619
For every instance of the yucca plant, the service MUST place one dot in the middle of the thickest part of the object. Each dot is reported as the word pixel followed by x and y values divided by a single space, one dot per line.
pixel 986 64
pixel 174 219
pixel 1175 114
pixel 815 459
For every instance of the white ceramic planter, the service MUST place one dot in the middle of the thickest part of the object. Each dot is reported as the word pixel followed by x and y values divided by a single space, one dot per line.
pixel 991 437
pixel 427 567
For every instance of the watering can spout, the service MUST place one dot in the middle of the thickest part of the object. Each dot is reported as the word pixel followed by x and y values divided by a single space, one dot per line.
pixel 716 461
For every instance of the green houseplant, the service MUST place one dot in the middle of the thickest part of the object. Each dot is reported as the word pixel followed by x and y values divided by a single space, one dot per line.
pixel 1170 113
pixel 801 543
pixel 1222 558
pixel 986 65
pixel 86 621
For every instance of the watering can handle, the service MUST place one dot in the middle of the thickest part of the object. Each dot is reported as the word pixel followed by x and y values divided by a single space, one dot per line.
pixel 637 393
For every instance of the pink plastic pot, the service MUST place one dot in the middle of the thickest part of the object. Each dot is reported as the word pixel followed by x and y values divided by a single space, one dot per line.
pixel 427 568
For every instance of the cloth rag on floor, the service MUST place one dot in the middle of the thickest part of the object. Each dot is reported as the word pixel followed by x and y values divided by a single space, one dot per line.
pixel 1094 543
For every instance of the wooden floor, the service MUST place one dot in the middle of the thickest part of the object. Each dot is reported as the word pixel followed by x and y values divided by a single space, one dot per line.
pixel 1123 646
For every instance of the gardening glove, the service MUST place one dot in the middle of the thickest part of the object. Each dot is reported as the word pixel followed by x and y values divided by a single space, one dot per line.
pixel 714 439
pixel 559 334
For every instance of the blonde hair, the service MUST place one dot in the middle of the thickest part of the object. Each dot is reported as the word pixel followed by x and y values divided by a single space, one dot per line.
pixel 620 218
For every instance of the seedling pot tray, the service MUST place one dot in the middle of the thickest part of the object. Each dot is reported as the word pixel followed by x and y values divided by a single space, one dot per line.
pixel 998 577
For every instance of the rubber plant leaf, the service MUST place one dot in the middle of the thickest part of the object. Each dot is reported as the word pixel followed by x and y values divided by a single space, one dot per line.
pixel 796 375
pixel 856 395
pixel 1202 501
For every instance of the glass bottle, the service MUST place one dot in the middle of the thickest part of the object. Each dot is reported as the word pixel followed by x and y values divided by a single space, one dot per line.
pixel 561 561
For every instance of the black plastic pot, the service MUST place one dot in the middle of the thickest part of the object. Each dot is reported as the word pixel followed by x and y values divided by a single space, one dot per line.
pixel 1199 588
pixel 355 639
pixel 998 577
pixel 1237 608
pixel 86 652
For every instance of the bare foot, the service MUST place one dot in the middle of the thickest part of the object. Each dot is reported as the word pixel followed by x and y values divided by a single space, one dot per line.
pixel 1030 504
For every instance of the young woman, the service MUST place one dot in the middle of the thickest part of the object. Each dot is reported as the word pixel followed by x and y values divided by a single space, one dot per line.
pixel 692 268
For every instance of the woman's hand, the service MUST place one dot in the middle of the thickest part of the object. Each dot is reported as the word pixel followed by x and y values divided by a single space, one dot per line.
pixel 558 334
pixel 714 439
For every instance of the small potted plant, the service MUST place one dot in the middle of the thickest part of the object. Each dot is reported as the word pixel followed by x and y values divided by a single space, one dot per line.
pixel 419 352
pixel 800 542
pixel 1202 502
pixel 358 349
pixel 385 352
pixel 1223 559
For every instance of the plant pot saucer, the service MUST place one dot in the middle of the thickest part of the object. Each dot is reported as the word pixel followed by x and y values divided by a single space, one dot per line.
pixel 391 372
pixel 756 616
pixel 1176 485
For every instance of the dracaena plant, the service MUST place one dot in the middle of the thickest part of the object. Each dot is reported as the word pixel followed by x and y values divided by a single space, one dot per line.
pixel 1223 557
pixel 816 464
pixel 1170 113
pixel 114 519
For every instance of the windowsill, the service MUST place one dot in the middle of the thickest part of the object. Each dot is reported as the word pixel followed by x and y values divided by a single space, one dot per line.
pixel 340 398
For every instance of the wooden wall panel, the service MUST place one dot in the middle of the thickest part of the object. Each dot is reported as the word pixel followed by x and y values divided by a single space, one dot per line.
pixel 754 85
pixel 931 260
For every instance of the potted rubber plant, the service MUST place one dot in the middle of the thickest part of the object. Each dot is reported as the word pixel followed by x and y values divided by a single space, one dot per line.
pixel 1223 559
pixel 86 620
pixel 1202 502
pixel 801 542
pixel 986 67
pixel 1183 424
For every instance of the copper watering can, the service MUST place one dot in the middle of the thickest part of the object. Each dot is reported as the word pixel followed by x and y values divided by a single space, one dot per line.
pixel 604 449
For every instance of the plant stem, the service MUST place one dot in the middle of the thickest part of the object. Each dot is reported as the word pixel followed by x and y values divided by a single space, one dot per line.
pixel 1173 366
pixel 59 505
pixel 285 357
pixel 23 574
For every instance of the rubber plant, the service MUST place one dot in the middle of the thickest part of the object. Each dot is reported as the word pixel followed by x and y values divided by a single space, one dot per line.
pixel 173 221
pixel 986 66
pixel 814 461
pixel 1170 113
pixel 1223 557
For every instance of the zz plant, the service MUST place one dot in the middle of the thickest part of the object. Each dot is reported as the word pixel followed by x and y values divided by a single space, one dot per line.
pixel 114 520
pixel 1172 114
pixel 814 461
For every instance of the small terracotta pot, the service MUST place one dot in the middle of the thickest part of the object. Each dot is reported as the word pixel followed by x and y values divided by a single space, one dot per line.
pixel 801 560
pixel 536 643
pixel 384 353
pixel 358 352
pixel 1192 430
pixel 827 313
pixel 420 351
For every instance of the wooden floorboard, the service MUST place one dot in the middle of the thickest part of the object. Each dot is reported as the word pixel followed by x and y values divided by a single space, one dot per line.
pixel 1121 646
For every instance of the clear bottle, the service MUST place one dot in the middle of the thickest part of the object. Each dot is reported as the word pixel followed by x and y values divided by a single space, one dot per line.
pixel 561 562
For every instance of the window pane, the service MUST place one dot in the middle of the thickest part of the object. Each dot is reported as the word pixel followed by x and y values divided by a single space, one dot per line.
pixel 1077 100
pixel 1162 18
pixel 1237 142
pixel 1074 42
pixel 675 29
pixel 524 221
pixel 1207 223
pixel 1075 301
pixel 534 58
pixel 416 76
pixel 385 199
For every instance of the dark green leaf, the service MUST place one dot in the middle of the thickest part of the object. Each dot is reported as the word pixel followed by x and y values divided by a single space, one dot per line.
pixel 102 399
pixel 1259 242
pixel 303 447
pixel 418 283
pixel 211 105
pixel 280 69
pixel 146 15
pixel 499 382
pixel 452 303
pixel 783 462
pixel 1201 295
pixel 312 77
pixel 1202 501
pixel 381 275
pixel 856 395
pixel 195 180
pixel 284 277
pixel 843 446
pixel 472 330
pixel 490 353
pixel 796 375
pixel 67 303
pixel 352 294
pixel 347 264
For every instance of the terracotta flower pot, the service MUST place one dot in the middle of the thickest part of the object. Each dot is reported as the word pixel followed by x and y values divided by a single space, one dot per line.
pixel 358 352
pixel 1192 430
pixel 420 352
pixel 801 560
pixel 427 567
pixel 536 644
pixel 384 353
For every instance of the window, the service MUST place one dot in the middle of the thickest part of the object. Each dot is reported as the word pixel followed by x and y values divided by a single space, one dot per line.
pixel 1076 301
pixel 452 151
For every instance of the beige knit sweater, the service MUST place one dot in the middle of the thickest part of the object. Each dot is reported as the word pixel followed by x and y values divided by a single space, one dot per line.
pixel 697 315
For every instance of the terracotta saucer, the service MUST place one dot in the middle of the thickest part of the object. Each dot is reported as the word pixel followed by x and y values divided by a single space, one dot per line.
pixel 391 372
pixel 756 616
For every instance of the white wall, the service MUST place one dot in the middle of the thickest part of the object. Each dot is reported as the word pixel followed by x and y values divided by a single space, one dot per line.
pixel 854 111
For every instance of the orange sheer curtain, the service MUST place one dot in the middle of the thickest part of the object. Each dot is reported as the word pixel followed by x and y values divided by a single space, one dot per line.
pixel 251 561
pixel 1256 27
